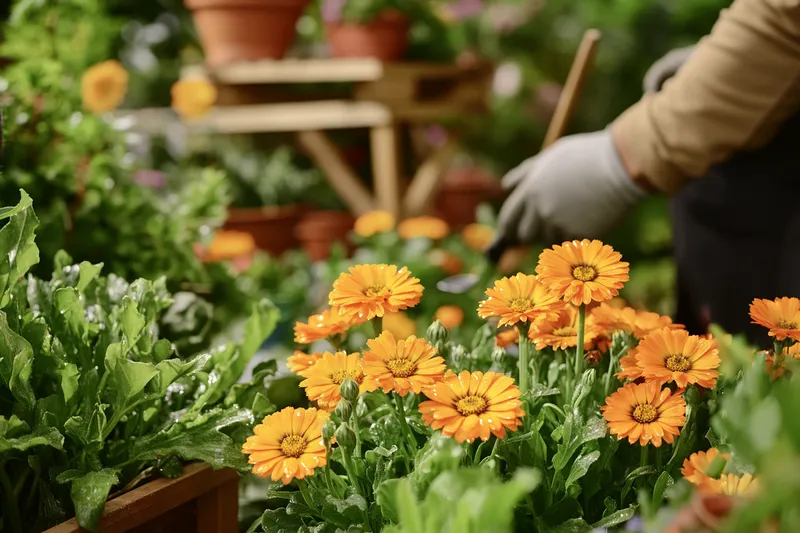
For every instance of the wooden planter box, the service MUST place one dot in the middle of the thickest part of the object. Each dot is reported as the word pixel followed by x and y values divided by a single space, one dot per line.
pixel 203 500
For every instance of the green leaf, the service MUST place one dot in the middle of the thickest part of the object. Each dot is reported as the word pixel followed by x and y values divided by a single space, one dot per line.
pixel 128 378
pixel 89 494
pixel 580 467
pixel 16 364
pixel 574 525
pixel 614 519
pixel 18 252
pixel 88 272
pixel 131 320
pixel 13 436
pixel 69 376
pixel 170 370
pixel 663 482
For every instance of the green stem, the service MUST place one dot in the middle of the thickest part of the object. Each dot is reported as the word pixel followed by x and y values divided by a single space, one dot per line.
pixel 612 359
pixel 351 474
pixel 778 346
pixel 643 461
pixel 301 483
pixel 354 418
pixel 524 363
pixel 411 441
pixel 11 499
pixel 377 325
pixel 568 381
pixel 581 333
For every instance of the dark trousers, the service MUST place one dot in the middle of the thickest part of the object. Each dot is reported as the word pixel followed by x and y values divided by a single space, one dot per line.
pixel 737 237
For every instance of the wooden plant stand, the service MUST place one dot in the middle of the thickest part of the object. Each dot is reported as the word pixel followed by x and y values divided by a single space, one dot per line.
pixel 384 97
pixel 203 500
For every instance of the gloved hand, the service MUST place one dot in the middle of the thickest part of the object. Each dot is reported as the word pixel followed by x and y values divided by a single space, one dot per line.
pixel 665 68
pixel 576 188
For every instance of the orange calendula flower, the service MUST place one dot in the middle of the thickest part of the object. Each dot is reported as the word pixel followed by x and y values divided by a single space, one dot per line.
pixel 695 467
pixel 374 222
pixel 613 318
pixel 478 236
pixel 582 271
pixel 400 324
pixel 451 316
pixel 229 245
pixel 287 445
pixel 507 337
pixel 322 326
pixel 300 361
pixel 520 298
pixel 193 97
pixel 471 406
pixel 103 86
pixel 645 413
pixel 674 355
pixel 781 316
pixel 404 365
pixel 368 291
pixel 647 322
pixel 428 227
pixel 326 375
pixel 629 365
pixel 731 485
pixel 562 332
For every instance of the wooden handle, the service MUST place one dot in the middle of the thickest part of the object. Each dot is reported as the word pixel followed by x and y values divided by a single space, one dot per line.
pixel 572 88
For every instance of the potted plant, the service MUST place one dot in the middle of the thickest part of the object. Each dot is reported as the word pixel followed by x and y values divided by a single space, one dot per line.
pixel 371 28
pixel 238 30
pixel 94 402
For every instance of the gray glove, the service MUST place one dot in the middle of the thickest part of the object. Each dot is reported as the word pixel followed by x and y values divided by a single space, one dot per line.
pixel 665 68
pixel 577 188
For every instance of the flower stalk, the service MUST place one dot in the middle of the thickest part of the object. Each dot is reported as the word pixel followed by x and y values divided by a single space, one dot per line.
pixel 524 364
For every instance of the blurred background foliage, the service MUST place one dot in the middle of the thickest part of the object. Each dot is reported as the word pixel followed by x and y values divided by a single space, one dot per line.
pixel 532 42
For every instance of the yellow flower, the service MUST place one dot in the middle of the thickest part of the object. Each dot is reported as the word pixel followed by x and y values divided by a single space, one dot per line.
pixel 428 227
pixel 582 271
pixel 326 375
pixel 374 222
pixel 451 316
pixel 103 86
pixel 230 245
pixel 299 361
pixel 674 355
pixel 404 365
pixel 781 316
pixel 614 319
pixel 645 413
pixel 478 236
pixel 562 332
pixel 471 406
pixel 322 326
pixel 507 337
pixel 287 445
pixel 520 298
pixel 647 322
pixel 695 467
pixel 369 291
pixel 730 485
pixel 193 97
pixel 400 325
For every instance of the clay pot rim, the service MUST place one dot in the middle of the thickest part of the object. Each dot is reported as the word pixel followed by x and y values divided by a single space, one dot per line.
pixel 196 5
pixel 386 18
pixel 255 214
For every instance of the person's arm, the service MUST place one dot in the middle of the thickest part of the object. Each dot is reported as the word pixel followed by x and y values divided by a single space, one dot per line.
pixel 739 85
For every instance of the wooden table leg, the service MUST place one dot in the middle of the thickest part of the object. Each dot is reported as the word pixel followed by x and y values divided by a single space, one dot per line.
pixel 428 179
pixel 386 167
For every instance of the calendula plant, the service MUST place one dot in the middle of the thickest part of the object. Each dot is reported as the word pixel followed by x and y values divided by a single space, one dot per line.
pixel 92 398
pixel 588 426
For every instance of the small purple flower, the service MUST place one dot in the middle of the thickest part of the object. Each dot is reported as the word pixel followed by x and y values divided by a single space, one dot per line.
pixel 332 10
pixel 635 524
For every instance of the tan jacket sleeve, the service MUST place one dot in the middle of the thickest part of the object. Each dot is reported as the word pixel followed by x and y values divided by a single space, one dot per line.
pixel 733 93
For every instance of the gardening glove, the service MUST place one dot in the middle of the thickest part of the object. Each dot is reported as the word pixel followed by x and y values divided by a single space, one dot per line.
pixel 665 68
pixel 577 188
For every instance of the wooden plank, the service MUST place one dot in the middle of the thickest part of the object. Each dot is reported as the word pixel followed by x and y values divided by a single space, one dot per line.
pixel 386 168
pixel 301 116
pixel 344 181
pixel 428 180
pixel 217 510
pixel 141 505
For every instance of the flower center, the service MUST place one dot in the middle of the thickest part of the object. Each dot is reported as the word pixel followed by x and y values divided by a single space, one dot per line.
pixel 678 363
pixel 401 367
pixel 520 304
pixel 293 446
pixel 568 331
pixel 645 413
pixel 471 405
pixel 785 324
pixel 584 273
pixel 340 375
pixel 376 290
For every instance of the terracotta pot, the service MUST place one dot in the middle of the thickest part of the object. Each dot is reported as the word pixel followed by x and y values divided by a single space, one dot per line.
pixel 463 190
pixel 385 37
pixel 241 30
pixel 318 230
pixel 272 227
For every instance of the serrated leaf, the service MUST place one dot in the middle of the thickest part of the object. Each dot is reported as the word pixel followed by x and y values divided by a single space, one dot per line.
pixel 131 320
pixel 170 370
pixel 89 494
pixel 88 272
pixel 128 378
pixel 15 435
pixel 69 376
pixel 16 364
pixel 18 252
